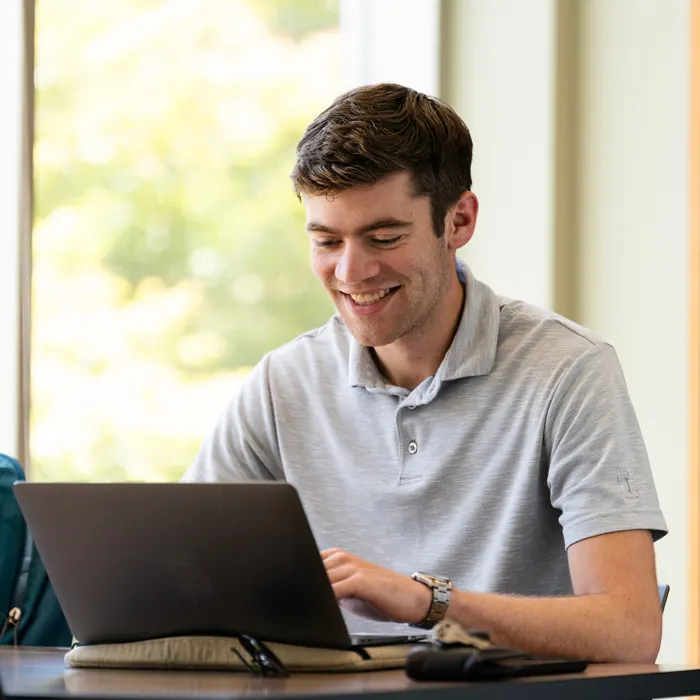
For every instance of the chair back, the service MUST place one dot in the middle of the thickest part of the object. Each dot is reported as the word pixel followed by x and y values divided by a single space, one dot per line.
pixel 30 614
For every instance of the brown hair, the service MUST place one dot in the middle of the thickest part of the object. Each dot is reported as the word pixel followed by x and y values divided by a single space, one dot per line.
pixel 378 130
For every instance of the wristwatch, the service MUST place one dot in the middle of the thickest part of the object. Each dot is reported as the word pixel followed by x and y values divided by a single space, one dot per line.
pixel 442 589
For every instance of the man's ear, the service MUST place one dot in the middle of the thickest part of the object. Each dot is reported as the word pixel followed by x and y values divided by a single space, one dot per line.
pixel 460 221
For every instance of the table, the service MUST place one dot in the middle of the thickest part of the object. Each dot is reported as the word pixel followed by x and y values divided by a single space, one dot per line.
pixel 40 673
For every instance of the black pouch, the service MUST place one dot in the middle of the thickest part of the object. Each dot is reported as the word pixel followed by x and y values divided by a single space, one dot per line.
pixel 463 663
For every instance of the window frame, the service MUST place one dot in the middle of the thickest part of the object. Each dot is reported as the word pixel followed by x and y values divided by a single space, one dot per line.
pixel 16 206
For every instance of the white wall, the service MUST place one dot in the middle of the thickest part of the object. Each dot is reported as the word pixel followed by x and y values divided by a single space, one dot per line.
pixel 632 245
pixel 627 144
pixel 10 143
pixel 501 81
pixel 380 39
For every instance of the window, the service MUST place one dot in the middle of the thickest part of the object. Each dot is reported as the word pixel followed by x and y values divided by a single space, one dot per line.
pixel 169 252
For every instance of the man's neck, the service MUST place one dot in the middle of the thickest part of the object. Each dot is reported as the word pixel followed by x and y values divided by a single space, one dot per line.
pixel 409 361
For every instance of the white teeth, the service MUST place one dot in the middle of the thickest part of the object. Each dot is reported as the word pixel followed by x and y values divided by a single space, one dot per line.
pixel 365 299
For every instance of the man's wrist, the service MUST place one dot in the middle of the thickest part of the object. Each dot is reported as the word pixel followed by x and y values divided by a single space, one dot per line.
pixel 440 589
pixel 424 600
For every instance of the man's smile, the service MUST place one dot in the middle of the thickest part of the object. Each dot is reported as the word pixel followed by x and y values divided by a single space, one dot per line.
pixel 370 302
pixel 369 297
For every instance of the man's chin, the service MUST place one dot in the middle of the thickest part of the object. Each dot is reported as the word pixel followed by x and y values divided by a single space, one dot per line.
pixel 368 331
pixel 371 338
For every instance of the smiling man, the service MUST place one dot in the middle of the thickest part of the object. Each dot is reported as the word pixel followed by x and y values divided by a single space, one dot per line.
pixel 392 279
pixel 458 454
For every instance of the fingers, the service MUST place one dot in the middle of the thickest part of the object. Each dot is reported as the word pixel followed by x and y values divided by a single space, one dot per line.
pixel 387 594
pixel 327 554
pixel 340 573
pixel 347 579
pixel 345 588
pixel 334 559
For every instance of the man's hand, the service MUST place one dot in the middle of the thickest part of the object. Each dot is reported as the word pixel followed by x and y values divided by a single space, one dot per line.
pixel 390 595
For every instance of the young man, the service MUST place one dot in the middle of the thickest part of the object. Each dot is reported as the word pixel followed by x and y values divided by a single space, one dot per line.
pixel 432 426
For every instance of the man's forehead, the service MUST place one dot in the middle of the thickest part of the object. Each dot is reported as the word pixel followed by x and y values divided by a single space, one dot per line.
pixel 360 206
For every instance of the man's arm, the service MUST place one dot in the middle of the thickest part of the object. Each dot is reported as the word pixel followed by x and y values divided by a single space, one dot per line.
pixel 614 614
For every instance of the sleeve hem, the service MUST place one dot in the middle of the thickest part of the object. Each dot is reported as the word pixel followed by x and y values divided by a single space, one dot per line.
pixel 615 522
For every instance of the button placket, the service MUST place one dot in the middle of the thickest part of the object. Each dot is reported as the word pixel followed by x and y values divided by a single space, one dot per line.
pixel 410 469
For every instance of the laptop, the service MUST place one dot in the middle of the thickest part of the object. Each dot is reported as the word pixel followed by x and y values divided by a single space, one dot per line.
pixel 134 561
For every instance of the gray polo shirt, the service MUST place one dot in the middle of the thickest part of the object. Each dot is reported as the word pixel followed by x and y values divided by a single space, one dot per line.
pixel 524 442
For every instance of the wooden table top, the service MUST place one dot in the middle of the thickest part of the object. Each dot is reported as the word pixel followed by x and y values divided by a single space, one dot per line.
pixel 36 673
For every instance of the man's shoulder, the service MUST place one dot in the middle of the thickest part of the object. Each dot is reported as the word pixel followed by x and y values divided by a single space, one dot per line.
pixel 325 347
pixel 550 335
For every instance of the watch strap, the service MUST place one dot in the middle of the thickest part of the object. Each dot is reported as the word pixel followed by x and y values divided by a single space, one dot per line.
pixel 441 589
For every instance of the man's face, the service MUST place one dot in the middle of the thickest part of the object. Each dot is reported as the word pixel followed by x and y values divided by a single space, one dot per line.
pixel 374 250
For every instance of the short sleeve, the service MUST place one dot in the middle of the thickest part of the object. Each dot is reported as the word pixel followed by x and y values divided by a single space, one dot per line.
pixel 599 475
pixel 243 445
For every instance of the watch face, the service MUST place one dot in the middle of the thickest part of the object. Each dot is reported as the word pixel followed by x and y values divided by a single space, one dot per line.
pixel 430 579
pixel 420 576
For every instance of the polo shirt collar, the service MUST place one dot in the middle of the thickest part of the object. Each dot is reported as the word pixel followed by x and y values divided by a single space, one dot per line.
pixel 473 349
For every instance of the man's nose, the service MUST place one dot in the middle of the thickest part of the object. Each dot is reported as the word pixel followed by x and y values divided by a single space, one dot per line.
pixel 356 263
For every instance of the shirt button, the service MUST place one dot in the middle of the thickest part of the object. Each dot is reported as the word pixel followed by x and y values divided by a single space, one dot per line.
pixel 411 408
pixel 412 447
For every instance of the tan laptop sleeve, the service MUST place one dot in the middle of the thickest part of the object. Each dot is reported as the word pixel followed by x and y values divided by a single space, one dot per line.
pixel 217 653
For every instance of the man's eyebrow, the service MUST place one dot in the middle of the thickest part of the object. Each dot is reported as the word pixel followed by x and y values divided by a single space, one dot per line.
pixel 379 224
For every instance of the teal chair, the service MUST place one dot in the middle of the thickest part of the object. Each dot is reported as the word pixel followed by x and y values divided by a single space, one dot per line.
pixel 24 583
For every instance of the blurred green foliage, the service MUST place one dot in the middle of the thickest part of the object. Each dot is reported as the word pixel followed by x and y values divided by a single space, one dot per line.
pixel 169 249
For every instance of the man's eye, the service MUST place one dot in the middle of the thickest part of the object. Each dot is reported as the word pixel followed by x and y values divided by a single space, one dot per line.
pixel 387 241
pixel 325 242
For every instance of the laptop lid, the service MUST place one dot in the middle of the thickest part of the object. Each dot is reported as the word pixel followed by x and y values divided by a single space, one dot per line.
pixel 142 561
